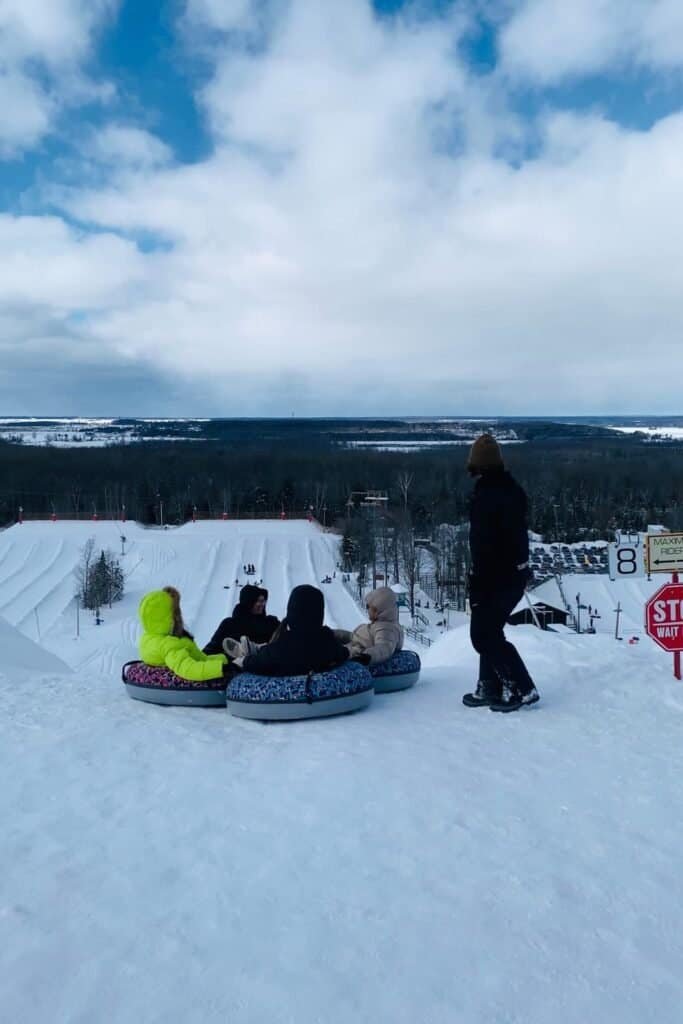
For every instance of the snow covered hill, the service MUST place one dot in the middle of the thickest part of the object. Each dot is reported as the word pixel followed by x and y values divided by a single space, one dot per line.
pixel 416 863
pixel 601 593
pixel 37 562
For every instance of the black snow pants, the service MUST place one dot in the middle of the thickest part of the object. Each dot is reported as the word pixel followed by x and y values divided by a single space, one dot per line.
pixel 499 661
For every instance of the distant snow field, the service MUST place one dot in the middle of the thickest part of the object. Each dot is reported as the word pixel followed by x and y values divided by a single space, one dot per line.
pixel 668 432
pixel 415 863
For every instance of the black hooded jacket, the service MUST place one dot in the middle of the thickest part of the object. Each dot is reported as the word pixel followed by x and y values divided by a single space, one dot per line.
pixel 303 644
pixel 499 540
pixel 243 622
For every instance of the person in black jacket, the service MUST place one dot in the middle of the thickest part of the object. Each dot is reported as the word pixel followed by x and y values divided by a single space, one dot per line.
pixel 302 645
pixel 499 549
pixel 248 619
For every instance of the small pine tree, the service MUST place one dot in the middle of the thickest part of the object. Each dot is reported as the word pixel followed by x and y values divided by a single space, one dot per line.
pixel 100 581
pixel 98 590
pixel 116 579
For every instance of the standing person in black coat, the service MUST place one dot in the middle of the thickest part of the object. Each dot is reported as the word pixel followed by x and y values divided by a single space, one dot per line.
pixel 248 619
pixel 302 645
pixel 499 548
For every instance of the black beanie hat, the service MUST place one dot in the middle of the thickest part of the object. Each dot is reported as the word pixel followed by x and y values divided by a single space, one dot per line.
pixel 305 608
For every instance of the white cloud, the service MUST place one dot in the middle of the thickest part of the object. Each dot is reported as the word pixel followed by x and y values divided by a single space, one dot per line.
pixel 42 47
pixel 50 266
pixel 332 255
pixel 222 15
pixel 57 33
pixel 550 40
pixel 25 112
pixel 663 34
pixel 125 146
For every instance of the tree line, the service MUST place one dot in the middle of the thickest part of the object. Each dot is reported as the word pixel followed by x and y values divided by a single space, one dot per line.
pixel 576 490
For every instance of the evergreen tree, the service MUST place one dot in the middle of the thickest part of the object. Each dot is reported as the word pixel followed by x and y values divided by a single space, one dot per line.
pixel 98 590
pixel 100 581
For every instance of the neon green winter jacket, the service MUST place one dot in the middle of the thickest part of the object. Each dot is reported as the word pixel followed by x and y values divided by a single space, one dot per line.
pixel 180 654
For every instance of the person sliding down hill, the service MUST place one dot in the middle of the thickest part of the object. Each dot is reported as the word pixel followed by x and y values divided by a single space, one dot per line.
pixel 499 547
pixel 248 619
pixel 165 641
pixel 301 645
pixel 375 641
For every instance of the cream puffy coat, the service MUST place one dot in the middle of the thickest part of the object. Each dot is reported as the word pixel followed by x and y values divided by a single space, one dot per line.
pixel 381 638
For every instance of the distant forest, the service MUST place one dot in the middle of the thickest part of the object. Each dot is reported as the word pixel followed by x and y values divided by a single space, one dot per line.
pixel 582 482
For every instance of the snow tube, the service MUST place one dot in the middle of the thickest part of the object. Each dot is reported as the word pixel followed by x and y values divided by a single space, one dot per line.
pixel 277 699
pixel 159 685
pixel 398 672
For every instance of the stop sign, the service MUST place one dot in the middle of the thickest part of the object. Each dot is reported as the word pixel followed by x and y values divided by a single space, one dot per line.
pixel 664 617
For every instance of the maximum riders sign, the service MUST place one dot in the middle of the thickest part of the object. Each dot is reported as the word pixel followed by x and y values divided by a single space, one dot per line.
pixel 665 552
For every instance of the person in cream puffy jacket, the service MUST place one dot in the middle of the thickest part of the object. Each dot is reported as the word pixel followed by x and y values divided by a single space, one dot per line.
pixel 376 640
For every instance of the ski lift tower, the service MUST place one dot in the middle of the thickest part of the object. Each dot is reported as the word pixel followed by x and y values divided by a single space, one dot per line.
pixel 369 503
pixel 374 501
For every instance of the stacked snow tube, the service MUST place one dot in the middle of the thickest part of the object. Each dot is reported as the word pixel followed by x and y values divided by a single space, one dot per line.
pixel 158 685
pixel 399 672
pixel 316 695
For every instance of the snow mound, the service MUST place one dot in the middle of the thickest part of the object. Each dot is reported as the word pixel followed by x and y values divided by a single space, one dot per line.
pixel 546 648
pixel 18 652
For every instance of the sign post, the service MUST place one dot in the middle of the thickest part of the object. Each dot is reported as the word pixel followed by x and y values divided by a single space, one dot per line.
pixel 664 620
pixel 664 610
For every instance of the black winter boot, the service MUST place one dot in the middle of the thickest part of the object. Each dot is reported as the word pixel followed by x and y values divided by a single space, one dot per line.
pixel 513 700
pixel 484 696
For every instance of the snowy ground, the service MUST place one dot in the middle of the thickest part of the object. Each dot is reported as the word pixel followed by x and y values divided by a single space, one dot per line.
pixel 416 863
pixel 670 433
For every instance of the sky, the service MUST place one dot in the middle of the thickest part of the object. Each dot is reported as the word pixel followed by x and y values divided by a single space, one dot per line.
pixel 398 207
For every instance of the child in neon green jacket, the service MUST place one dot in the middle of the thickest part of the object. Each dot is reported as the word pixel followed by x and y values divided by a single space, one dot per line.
pixel 165 641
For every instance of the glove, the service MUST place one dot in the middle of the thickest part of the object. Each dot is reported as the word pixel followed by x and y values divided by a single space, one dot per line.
pixel 248 646
pixel 232 648
pixel 239 662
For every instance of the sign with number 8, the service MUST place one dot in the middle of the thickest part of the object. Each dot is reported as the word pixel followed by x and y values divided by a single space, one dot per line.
pixel 627 560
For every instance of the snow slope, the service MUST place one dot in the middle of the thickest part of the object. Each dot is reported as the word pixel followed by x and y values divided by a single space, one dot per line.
pixel 37 562
pixel 19 653
pixel 600 592
pixel 416 863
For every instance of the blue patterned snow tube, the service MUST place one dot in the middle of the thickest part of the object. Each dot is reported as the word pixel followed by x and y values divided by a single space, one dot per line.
pixel 271 698
pixel 398 672
pixel 158 685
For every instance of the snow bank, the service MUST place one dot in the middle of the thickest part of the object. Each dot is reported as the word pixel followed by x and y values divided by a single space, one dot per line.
pixel 454 649
pixel 18 652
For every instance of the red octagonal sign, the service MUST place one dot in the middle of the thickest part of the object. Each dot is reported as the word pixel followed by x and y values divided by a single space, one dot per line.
pixel 664 617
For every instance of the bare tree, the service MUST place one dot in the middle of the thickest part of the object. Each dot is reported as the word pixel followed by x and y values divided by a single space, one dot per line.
pixel 319 500
pixel 412 558
pixel 82 570
pixel 385 543
pixel 404 480
pixel 76 499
